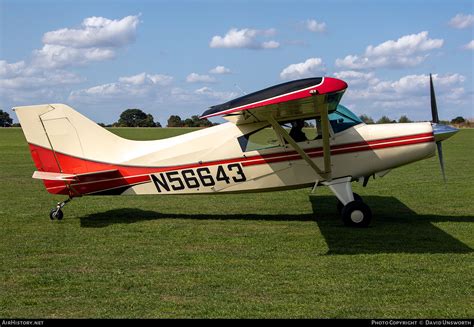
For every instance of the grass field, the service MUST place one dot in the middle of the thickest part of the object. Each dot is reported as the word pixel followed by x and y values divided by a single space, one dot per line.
pixel 282 254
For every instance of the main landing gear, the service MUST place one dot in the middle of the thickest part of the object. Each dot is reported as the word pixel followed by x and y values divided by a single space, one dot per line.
pixel 56 212
pixel 354 212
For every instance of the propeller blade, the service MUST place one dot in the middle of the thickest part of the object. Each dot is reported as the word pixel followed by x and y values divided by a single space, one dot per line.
pixel 441 159
pixel 434 108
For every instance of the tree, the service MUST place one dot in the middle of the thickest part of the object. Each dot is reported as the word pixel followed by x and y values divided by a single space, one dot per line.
pixel 135 118
pixel 200 122
pixel 175 121
pixel 366 119
pixel 188 122
pixel 384 120
pixel 404 119
pixel 5 120
pixel 457 120
pixel 194 121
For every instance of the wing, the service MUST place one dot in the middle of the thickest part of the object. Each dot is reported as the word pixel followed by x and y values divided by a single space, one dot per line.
pixel 298 99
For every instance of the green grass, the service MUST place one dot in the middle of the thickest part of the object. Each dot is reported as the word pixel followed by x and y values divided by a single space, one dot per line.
pixel 282 254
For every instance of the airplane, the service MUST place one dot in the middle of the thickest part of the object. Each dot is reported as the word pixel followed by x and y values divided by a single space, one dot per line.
pixel 254 151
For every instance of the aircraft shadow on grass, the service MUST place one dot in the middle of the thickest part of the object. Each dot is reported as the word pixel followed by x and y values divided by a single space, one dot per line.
pixel 395 229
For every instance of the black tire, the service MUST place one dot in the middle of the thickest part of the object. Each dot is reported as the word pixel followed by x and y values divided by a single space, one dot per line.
pixel 357 197
pixel 56 214
pixel 356 214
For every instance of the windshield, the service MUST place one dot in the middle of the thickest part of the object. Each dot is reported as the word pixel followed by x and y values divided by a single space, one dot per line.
pixel 342 119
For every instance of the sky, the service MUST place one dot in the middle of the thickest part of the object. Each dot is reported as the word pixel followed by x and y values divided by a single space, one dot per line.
pixel 180 57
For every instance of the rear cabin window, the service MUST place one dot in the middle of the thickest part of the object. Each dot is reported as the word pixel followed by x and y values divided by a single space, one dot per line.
pixel 264 138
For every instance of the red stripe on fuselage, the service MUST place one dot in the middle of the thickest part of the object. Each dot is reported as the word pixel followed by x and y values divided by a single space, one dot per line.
pixel 355 147
pixel 131 175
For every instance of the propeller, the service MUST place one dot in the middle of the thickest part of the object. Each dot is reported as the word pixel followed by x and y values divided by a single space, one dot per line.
pixel 434 115
pixel 434 107
pixel 441 132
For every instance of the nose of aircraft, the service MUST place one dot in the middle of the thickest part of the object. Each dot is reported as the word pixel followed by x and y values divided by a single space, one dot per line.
pixel 443 132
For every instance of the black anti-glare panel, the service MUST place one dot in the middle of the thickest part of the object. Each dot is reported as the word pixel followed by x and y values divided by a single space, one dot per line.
pixel 267 93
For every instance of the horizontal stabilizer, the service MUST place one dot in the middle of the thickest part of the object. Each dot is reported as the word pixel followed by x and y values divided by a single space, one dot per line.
pixel 71 177
pixel 53 176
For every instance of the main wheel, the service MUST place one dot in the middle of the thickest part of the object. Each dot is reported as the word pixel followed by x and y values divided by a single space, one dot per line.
pixel 357 197
pixel 56 214
pixel 356 214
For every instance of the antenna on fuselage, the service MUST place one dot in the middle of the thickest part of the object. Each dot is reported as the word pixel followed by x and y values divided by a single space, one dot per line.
pixel 238 87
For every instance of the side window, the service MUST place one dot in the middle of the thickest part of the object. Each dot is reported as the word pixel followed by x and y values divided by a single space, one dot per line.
pixel 302 130
pixel 264 138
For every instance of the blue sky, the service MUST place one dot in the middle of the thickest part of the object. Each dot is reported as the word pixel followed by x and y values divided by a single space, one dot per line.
pixel 179 57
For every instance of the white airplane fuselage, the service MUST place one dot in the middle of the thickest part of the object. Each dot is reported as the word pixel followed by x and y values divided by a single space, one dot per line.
pixel 206 161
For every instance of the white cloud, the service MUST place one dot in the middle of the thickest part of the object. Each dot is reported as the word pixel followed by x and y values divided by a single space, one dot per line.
pixel 218 70
pixel 244 38
pixel 142 87
pixel 469 46
pixel 461 21
pixel 144 78
pixel 43 78
pixel 38 80
pixel 9 70
pixel 407 51
pixel 197 78
pixel 58 56
pixel 217 95
pixel 311 67
pixel 407 95
pixel 96 32
pixel 270 45
pixel 405 46
pixel 17 76
pixel 313 26
pixel 98 39
pixel 21 83
pixel 356 62
pixel 355 78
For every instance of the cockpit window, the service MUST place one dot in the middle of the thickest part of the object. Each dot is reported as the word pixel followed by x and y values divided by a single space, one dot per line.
pixel 342 119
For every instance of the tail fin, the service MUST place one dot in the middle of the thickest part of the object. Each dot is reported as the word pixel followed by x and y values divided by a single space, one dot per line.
pixel 58 135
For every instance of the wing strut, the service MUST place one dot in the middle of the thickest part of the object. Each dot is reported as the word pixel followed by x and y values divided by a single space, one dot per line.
pixel 325 135
pixel 282 132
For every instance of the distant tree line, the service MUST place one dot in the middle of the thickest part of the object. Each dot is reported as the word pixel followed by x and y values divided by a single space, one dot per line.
pixel 458 121
pixel 194 121
pixel 384 120
pixel 138 118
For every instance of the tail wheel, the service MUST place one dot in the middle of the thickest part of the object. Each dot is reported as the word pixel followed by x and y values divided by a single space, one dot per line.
pixel 56 214
pixel 357 197
pixel 356 214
